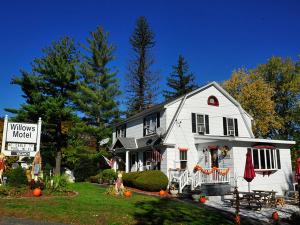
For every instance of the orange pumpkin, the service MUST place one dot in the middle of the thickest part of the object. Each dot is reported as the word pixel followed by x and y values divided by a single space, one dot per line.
pixel 202 200
pixel 275 216
pixel 127 194
pixel 162 193
pixel 37 192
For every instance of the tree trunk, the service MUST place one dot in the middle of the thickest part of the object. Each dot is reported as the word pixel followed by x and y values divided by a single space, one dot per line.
pixel 57 163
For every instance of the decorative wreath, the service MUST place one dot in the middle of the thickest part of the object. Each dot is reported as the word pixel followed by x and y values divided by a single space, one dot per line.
pixel 222 172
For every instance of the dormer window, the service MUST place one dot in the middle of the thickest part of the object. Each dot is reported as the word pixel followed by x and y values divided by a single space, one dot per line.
pixel 212 100
pixel 121 131
pixel 151 123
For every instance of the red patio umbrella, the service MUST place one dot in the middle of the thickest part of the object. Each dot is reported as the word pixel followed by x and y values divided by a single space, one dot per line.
pixel 297 176
pixel 249 172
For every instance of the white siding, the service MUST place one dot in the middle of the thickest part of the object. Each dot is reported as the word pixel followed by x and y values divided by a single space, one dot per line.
pixel 279 181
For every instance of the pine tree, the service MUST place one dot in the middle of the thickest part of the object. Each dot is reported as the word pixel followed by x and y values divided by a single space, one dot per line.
pixel 141 81
pixel 47 91
pixel 99 88
pixel 180 80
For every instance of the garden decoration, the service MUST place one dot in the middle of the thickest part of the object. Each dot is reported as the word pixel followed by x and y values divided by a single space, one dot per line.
pixel 37 192
pixel 2 166
pixel 297 176
pixel 174 188
pixel 237 218
pixel 202 199
pixel 36 167
pixel 162 193
pixel 119 187
pixel 127 194
pixel 223 172
pixel 249 172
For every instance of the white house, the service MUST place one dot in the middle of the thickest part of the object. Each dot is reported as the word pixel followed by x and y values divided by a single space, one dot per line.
pixel 201 139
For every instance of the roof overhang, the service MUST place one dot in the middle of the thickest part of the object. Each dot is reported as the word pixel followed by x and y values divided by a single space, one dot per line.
pixel 200 138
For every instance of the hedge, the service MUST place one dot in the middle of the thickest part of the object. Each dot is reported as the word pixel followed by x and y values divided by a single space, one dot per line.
pixel 150 180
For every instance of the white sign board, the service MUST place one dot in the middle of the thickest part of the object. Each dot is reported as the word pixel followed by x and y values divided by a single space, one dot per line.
pixel 20 147
pixel 21 139
pixel 21 132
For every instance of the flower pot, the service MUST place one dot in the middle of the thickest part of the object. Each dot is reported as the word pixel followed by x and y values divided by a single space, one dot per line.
pixel 174 192
pixel 202 200
pixel 196 197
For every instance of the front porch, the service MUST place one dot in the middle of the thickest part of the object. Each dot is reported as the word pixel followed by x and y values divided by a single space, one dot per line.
pixel 199 177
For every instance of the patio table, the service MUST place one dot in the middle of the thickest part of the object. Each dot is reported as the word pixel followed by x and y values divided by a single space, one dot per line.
pixel 269 197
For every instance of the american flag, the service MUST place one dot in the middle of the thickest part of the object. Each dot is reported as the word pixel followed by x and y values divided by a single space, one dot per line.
pixel 110 162
pixel 156 156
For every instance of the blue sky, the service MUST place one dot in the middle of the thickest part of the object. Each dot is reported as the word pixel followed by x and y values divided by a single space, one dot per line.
pixel 215 37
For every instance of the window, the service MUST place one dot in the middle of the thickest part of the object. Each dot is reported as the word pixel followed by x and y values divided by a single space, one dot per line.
pixel 266 159
pixel 121 131
pixel 151 122
pixel 212 100
pixel 183 159
pixel 230 126
pixel 200 123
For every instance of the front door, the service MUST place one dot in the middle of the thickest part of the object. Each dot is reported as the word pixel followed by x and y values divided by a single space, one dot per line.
pixel 214 158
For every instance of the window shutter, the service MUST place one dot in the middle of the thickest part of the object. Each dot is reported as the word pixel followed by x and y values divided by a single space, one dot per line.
pixel 206 124
pixel 236 127
pixel 158 120
pixel 194 123
pixel 225 125
pixel 125 128
pixel 144 130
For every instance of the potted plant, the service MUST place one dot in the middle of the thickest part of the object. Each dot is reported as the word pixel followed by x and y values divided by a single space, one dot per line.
pixel 196 196
pixel 174 189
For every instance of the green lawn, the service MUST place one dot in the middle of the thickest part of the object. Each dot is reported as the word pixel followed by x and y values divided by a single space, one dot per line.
pixel 93 206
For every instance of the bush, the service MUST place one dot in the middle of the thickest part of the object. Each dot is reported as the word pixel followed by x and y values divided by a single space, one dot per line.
pixel 95 179
pixel 16 177
pixel 58 183
pixel 109 174
pixel 129 178
pixel 84 168
pixel 151 180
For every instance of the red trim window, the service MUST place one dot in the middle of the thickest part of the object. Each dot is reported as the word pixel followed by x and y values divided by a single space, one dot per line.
pixel 212 100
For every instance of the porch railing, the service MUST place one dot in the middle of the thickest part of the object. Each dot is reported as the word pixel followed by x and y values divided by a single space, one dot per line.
pixel 196 180
pixel 220 176
pixel 183 180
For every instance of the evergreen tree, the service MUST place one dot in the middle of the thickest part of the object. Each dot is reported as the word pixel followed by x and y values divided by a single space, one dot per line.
pixel 98 88
pixel 180 80
pixel 47 93
pixel 141 81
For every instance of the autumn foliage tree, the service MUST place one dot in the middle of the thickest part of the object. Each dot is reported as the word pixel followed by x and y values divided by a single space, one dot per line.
pixel 255 96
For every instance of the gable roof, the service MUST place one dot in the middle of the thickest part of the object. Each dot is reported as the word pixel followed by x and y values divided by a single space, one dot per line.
pixel 127 143
pixel 219 88
pixel 171 101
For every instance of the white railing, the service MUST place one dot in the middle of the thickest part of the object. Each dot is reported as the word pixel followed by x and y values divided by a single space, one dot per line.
pixel 215 176
pixel 196 180
pixel 183 180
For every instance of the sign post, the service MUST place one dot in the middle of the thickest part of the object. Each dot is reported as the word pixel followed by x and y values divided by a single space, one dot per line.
pixel 21 139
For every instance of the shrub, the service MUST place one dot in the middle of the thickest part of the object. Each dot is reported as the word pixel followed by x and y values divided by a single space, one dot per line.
pixel 95 179
pixel 58 183
pixel 36 184
pixel 129 178
pixel 84 168
pixel 16 177
pixel 150 180
pixel 109 174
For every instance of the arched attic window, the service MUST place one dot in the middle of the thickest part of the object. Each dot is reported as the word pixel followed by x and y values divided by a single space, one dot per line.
pixel 212 100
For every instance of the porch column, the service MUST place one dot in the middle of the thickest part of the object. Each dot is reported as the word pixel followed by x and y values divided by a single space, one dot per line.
pixel 115 166
pixel 127 162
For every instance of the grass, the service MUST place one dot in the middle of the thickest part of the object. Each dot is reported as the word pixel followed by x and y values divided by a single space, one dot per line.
pixel 93 206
